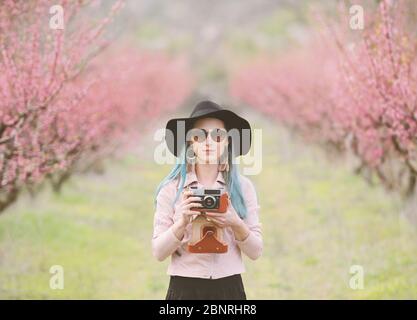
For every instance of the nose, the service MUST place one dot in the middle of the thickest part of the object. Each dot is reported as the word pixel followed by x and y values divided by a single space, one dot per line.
pixel 209 141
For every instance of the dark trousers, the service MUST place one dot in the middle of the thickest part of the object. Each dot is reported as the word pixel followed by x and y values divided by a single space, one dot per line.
pixel 186 288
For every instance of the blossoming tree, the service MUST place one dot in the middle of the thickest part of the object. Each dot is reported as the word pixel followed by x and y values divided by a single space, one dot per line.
pixel 355 90
pixel 61 110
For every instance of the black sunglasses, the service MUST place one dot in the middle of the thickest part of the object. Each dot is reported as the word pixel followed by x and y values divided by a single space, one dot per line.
pixel 200 135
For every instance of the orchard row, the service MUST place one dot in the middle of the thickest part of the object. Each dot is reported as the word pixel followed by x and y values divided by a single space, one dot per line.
pixel 353 91
pixel 64 103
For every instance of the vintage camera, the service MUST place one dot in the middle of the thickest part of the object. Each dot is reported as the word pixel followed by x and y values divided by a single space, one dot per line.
pixel 212 200
pixel 206 236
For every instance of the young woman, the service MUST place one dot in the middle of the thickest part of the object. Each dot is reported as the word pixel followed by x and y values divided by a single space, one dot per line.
pixel 206 161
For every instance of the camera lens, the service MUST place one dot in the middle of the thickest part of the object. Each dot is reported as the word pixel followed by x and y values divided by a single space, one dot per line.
pixel 209 202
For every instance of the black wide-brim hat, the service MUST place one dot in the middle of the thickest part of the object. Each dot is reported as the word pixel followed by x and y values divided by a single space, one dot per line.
pixel 209 109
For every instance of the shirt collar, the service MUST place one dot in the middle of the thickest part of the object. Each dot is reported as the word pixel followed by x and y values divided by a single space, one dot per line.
pixel 192 177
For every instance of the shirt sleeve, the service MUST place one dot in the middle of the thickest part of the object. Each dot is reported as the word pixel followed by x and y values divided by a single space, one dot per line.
pixel 164 241
pixel 252 245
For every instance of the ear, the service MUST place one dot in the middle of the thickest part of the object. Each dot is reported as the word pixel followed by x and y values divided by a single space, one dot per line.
pixel 190 145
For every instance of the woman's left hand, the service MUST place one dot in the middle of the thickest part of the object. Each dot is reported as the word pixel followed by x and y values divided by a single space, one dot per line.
pixel 228 219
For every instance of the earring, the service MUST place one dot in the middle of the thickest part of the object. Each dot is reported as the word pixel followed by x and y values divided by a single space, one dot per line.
pixel 190 155
pixel 190 159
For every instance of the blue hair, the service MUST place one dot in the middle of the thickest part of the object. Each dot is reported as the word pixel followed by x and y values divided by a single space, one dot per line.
pixel 231 178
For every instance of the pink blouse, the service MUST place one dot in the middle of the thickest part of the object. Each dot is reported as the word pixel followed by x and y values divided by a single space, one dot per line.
pixel 204 265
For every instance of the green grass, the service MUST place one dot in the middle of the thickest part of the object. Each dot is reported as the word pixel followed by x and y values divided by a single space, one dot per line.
pixel 318 220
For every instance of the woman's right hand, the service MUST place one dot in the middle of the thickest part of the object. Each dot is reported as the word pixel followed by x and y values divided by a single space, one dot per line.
pixel 185 206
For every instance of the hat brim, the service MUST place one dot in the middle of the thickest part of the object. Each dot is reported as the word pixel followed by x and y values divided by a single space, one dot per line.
pixel 231 120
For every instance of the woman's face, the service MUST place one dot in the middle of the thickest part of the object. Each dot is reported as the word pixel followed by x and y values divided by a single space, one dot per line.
pixel 209 140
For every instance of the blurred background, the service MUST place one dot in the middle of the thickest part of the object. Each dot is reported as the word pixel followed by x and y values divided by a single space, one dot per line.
pixel 336 102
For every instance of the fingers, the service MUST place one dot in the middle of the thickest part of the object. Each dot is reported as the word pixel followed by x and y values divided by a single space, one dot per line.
pixel 191 199
pixel 217 220
pixel 186 193
pixel 218 223
pixel 214 214
pixel 191 205
pixel 191 212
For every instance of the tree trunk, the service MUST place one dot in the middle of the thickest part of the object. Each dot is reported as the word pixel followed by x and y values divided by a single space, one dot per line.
pixel 8 199
pixel 409 210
